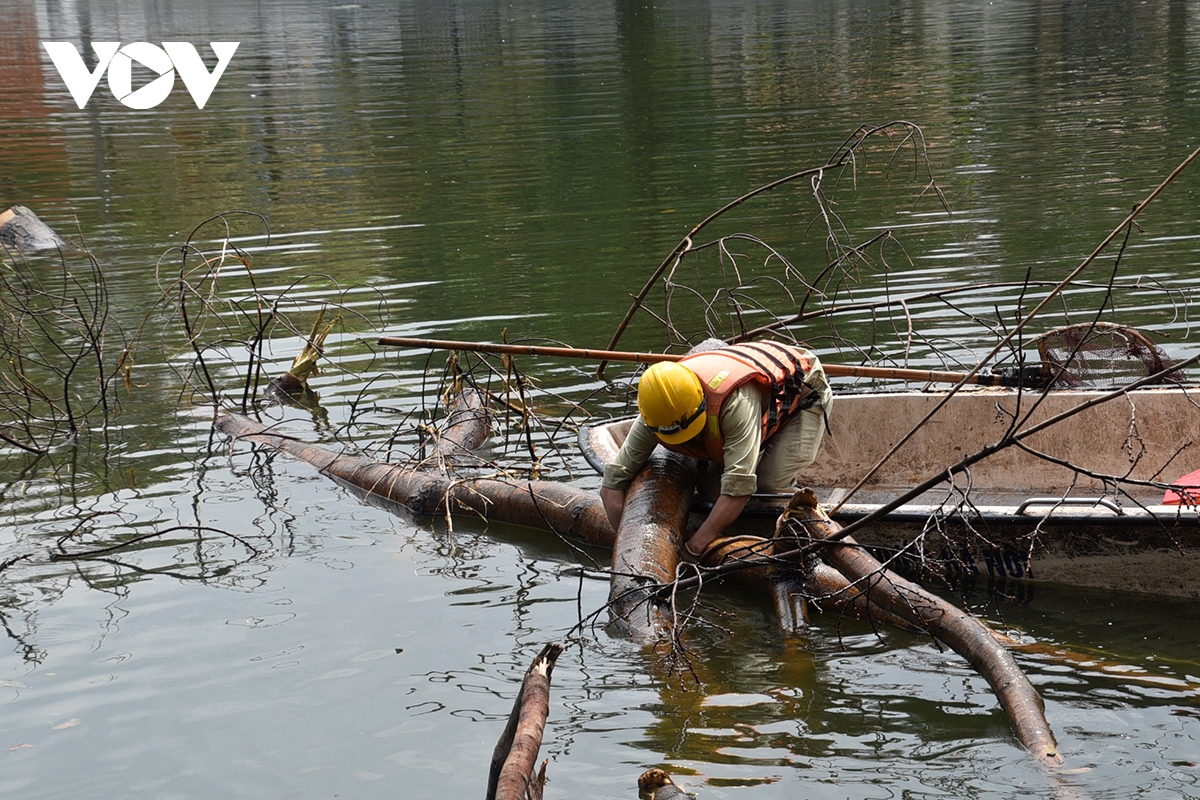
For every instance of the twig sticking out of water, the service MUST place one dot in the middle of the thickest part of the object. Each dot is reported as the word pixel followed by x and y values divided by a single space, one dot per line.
pixel 57 371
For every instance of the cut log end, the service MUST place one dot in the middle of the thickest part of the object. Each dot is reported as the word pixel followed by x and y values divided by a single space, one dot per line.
pixel 804 498
pixel 20 229
pixel 1050 756
pixel 652 779
pixel 656 784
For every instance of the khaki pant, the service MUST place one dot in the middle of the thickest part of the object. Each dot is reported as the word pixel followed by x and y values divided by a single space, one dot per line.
pixel 795 445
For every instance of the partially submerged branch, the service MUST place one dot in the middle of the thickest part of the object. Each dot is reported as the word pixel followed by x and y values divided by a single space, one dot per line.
pixel 962 632
pixel 560 507
pixel 511 776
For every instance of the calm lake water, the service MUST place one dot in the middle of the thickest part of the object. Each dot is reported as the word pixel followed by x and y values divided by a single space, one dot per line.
pixel 474 169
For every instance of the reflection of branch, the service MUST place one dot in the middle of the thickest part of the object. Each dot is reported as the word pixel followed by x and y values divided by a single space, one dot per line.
pixel 30 653
pixel 8 562
pixel 62 555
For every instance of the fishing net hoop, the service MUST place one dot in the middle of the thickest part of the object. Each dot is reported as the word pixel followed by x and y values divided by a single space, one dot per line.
pixel 1101 355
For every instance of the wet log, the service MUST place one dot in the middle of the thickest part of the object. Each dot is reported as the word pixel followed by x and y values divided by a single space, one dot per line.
pixel 794 588
pixel 466 428
pixel 656 784
pixel 830 591
pixel 547 505
pixel 564 509
pixel 648 543
pixel 962 632
pixel 786 584
pixel 511 776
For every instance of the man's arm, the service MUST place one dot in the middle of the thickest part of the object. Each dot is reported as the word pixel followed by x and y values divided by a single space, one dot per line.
pixel 724 511
pixel 741 428
pixel 619 474
pixel 614 505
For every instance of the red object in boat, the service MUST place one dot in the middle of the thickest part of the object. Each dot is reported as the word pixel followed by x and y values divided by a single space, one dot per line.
pixel 1190 486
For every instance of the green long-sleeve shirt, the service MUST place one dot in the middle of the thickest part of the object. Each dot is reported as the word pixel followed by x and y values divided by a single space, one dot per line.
pixel 741 430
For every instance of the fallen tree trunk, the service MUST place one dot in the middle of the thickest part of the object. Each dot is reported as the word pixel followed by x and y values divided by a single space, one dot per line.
pixel 648 543
pixel 962 632
pixel 547 505
pixel 511 776
pixel 466 429
pixel 564 509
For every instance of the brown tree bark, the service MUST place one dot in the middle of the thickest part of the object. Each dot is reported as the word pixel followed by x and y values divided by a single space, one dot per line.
pixel 648 542
pixel 466 429
pixel 794 587
pixel 511 776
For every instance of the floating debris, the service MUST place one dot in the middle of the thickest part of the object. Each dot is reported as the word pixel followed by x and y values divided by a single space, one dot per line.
pixel 22 231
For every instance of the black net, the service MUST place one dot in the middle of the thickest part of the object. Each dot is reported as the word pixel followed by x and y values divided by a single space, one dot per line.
pixel 1101 355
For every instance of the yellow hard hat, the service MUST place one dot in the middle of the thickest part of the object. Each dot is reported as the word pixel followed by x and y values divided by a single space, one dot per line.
pixel 671 402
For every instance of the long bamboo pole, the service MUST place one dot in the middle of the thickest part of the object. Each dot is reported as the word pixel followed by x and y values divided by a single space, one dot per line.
pixel 1033 374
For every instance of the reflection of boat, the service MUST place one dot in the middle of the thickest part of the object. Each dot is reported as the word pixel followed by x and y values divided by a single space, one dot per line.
pixel 1079 502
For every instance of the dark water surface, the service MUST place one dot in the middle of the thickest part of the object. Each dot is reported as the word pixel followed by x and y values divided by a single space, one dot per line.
pixel 461 169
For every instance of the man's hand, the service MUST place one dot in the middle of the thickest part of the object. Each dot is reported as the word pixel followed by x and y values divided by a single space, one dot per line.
pixel 724 511
pixel 614 505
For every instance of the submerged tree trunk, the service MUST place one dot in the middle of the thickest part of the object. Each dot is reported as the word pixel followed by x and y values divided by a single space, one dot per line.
pixel 561 508
pixel 965 634
pixel 648 542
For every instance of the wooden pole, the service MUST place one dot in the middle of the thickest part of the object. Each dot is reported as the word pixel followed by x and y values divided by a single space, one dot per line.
pixel 1032 378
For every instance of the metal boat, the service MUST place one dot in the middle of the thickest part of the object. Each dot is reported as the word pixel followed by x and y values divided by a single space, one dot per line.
pixel 1098 497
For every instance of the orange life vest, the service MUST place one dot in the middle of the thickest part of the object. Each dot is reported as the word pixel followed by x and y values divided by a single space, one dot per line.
pixel 778 368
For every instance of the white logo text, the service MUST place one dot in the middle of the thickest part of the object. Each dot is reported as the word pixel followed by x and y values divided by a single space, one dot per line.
pixel 165 61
